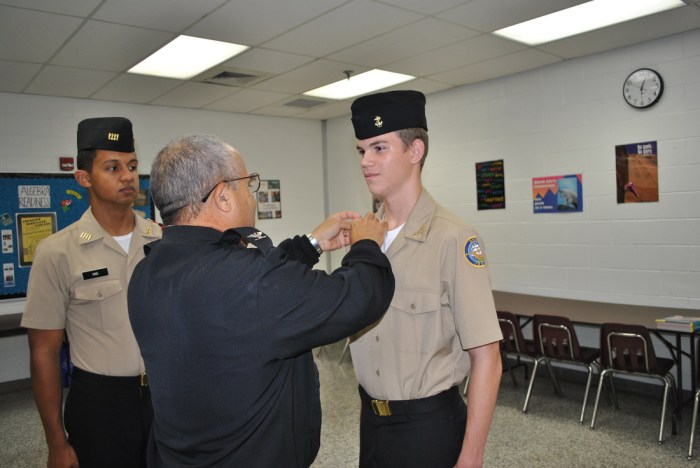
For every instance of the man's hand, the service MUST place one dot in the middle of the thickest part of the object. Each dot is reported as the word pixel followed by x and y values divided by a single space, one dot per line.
pixel 368 227
pixel 62 456
pixel 334 232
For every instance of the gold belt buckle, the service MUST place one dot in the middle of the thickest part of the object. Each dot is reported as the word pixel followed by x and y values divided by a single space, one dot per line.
pixel 143 380
pixel 381 407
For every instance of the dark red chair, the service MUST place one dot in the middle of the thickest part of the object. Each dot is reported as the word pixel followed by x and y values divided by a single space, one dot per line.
pixel 514 343
pixel 555 340
pixel 628 349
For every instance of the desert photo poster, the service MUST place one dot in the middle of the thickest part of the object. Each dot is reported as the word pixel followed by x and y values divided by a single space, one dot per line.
pixel 637 172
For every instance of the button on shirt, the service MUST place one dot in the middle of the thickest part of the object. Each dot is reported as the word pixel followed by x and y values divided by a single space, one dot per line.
pixel 442 306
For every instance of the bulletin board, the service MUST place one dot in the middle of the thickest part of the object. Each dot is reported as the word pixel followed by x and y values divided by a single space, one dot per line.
pixel 34 206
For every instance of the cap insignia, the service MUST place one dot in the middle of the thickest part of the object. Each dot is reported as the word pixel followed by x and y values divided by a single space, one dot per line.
pixel 473 253
pixel 113 136
pixel 378 121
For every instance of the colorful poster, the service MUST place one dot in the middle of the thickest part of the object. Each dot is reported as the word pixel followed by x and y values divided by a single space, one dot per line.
pixel 490 185
pixel 637 173
pixel 557 194
pixel 269 200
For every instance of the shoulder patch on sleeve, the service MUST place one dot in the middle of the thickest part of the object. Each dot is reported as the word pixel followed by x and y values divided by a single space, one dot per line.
pixel 473 253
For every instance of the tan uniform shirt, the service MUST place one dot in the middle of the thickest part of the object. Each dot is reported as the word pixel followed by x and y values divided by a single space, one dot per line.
pixel 79 281
pixel 442 306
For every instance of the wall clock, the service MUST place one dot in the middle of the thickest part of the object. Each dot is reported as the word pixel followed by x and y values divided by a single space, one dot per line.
pixel 643 88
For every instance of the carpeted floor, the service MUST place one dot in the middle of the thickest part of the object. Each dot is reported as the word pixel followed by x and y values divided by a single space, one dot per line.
pixel 549 435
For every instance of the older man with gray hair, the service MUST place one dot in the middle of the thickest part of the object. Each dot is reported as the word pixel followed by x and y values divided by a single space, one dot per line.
pixel 226 321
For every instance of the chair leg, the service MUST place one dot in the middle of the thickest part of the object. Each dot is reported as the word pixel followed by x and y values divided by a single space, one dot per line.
pixel 345 350
pixel 692 425
pixel 509 369
pixel 555 382
pixel 585 394
pixel 613 393
pixel 667 384
pixel 601 381
pixel 532 382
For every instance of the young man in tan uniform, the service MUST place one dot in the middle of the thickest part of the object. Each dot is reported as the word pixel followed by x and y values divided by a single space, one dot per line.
pixel 77 286
pixel 441 325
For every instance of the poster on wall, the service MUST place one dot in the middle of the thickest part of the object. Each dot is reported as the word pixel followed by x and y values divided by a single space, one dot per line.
pixel 490 185
pixel 34 206
pixel 269 200
pixel 557 194
pixel 637 172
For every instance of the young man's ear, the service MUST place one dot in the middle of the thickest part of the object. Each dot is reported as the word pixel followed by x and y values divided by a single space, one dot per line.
pixel 83 178
pixel 417 150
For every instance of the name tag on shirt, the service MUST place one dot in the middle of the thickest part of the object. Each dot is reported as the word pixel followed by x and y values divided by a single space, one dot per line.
pixel 95 273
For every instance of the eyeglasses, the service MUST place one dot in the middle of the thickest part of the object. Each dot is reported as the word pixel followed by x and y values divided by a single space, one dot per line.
pixel 253 184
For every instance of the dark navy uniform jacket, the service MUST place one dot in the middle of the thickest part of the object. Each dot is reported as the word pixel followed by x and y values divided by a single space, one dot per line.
pixel 226 332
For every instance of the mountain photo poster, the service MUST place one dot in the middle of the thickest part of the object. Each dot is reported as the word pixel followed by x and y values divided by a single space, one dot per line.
pixel 557 194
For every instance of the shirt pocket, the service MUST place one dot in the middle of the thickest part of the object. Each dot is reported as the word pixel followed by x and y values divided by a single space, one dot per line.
pixel 101 305
pixel 416 321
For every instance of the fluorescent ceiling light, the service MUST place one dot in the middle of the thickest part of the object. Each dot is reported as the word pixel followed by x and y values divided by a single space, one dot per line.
pixel 360 84
pixel 584 17
pixel 185 57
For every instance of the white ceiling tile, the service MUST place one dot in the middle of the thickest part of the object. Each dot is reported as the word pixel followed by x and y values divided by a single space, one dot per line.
pixel 135 88
pixel 425 86
pixel 71 82
pixel 14 76
pixel 267 61
pixel 107 46
pixel 456 55
pixel 409 40
pixel 426 7
pixel 65 7
pixel 297 46
pixel 354 22
pixel 308 77
pixel 246 100
pixel 149 14
pixel 195 95
pixel 500 66
pixel 278 111
pixel 634 32
pixel 491 15
pixel 254 22
pixel 32 36
pixel 327 111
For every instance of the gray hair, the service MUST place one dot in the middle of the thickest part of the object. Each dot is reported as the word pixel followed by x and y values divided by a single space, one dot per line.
pixel 184 170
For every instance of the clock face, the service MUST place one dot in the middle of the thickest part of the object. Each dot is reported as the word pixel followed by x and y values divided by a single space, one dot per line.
pixel 643 88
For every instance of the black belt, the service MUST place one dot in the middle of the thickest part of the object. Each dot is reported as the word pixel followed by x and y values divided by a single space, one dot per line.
pixel 407 407
pixel 110 380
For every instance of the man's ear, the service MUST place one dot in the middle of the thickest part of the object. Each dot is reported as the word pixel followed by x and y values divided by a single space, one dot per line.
pixel 83 178
pixel 221 199
pixel 417 151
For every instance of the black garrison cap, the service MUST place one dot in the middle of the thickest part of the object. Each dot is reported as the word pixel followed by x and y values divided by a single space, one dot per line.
pixel 377 114
pixel 107 133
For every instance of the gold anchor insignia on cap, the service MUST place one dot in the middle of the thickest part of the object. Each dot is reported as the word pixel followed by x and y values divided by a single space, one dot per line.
pixel 378 121
pixel 113 136
pixel 85 235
